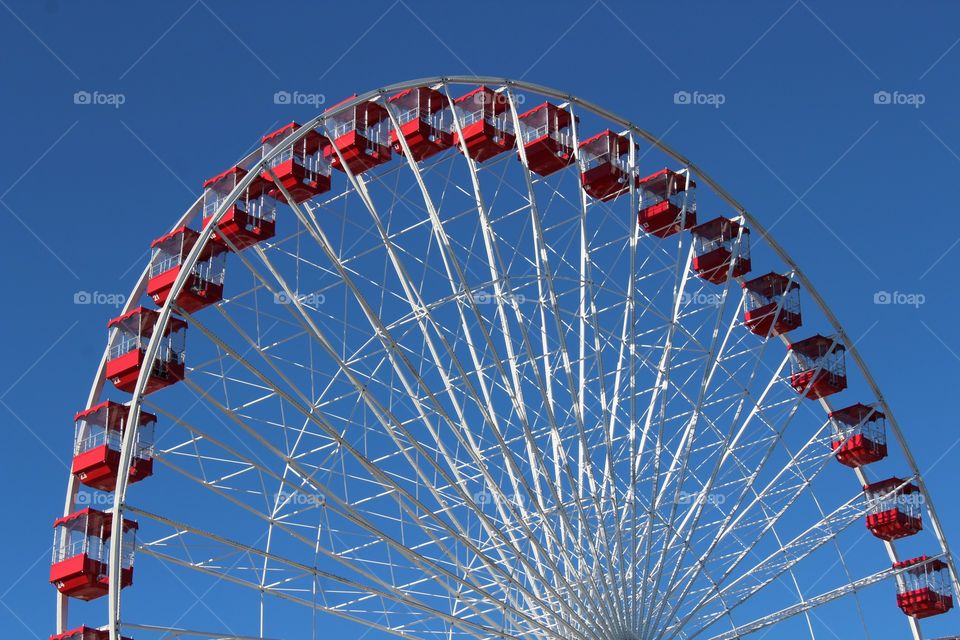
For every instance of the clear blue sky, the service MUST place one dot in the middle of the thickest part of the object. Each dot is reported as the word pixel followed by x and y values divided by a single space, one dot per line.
pixel 859 193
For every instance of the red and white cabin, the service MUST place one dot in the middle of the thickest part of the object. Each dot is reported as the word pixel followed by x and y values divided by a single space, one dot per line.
pixel 81 552
pixel 668 203
pixel 96 445
pixel 859 435
pixel 126 355
pixel 605 165
pixel 894 508
pixel 924 590
pixel 721 250
pixel 547 138
pixel 772 305
pixel 817 367
pixel 361 135
pixel 421 116
pixel 482 117
pixel 85 633
pixel 301 169
pixel 251 218
pixel 203 286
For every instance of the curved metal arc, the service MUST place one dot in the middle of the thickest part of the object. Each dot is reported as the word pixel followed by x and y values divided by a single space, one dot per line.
pixel 93 396
pixel 150 355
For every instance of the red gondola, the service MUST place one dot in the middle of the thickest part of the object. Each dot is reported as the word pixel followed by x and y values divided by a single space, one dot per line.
pixel 81 552
pixel 420 115
pixel 127 351
pixel 817 367
pixel 361 135
pixel 252 216
pixel 894 509
pixel 605 166
pixel 204 285
pixel 483 121
pixel 716 244
pixel 301 169
pixel 667 203
pixel 547 138
pixel 924 590
pixel 772 305
pixel 96 448
pixel 85 633
pixel 859 435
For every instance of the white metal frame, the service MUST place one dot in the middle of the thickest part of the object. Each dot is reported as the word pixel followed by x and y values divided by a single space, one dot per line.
pixel 593 609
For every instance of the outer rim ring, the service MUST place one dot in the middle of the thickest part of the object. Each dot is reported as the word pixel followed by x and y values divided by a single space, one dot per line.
pixel 205 234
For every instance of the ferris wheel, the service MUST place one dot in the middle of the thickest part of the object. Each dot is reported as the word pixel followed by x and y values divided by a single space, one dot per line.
pixel 474 358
